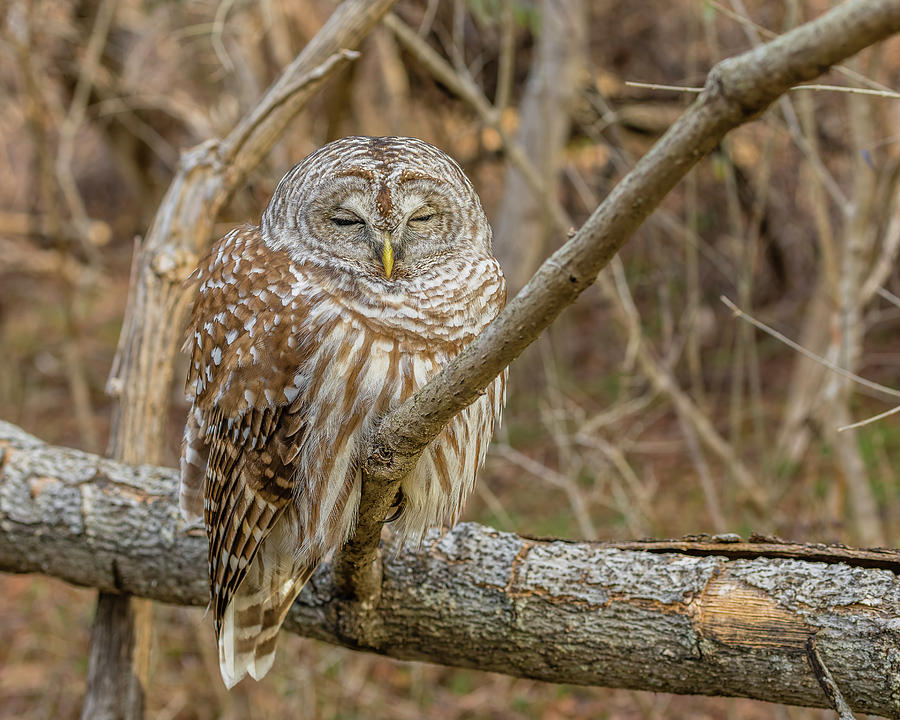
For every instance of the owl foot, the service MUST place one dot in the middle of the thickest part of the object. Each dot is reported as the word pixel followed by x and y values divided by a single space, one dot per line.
pixel 399 504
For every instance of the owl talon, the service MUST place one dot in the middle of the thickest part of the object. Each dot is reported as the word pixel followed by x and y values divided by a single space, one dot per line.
pixel 399 504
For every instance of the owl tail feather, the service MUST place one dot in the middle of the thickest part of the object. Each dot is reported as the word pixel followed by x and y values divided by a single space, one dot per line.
pixel 249 629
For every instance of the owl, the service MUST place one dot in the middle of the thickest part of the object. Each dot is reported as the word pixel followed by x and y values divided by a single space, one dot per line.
pixel 370 269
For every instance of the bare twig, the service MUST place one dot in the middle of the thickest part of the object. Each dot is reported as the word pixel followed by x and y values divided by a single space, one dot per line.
pixel 818 87
pixel 72 123
pixel 639 498
pixel 868 421
pixel 566 484
pixel 216 32
pixel 506 64
pixel 614 415
pixel 885 262
pixel 710 494
pixel 843 372
pixel 826 680
pixel 889 296
pixel 691 250
pixel 495 505
pixel 859 237
pixel 657 86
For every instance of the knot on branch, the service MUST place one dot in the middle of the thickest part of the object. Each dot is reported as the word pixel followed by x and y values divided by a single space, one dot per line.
pixel 173 264
pixel 203 155
pixel 726 84
pixel 383 455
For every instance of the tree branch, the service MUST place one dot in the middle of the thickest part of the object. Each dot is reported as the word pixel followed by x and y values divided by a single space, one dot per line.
pixel 737 90
pixel 615 291
pixel 682 617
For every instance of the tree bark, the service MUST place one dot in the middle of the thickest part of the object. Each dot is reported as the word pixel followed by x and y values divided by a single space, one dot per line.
pixel 682 617
pixel 127 542
pixel 115 686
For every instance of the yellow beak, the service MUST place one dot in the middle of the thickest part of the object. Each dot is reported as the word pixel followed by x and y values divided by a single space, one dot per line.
pixel 387 255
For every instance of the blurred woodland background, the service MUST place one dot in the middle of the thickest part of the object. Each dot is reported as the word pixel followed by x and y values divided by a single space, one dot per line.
pixel 649 409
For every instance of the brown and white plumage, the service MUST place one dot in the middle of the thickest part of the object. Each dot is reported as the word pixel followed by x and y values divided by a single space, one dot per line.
pixel 371 268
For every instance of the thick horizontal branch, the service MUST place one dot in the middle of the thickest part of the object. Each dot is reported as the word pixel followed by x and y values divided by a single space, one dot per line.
pixel 737 90
pixel 559 611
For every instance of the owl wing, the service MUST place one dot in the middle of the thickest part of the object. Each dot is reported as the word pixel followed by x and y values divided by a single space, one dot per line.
pixel 248 427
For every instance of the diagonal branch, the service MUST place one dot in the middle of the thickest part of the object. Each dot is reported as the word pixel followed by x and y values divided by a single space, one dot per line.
pixel 737 90
pixel 617 292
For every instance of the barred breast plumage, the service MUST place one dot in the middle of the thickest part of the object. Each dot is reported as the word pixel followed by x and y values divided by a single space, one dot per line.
pixel 371 268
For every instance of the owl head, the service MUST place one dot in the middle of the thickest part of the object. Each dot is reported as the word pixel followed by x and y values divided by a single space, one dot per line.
pixel 382 208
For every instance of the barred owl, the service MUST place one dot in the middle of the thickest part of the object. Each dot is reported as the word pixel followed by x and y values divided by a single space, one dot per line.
pixel 370 269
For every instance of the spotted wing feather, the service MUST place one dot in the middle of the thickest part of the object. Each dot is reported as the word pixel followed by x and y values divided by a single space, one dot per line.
pixel 246 427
